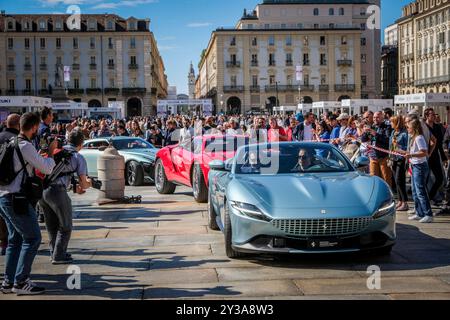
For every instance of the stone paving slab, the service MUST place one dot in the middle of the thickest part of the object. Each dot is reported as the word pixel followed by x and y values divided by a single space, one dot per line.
pixel 161 249
pixel 223 290
pixel 359 286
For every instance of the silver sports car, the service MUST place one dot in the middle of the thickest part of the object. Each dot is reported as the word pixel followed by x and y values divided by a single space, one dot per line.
pixel 299 198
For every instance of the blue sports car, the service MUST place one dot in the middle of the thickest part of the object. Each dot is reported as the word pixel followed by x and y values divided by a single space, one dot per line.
pixel 299 198
pixel 139 157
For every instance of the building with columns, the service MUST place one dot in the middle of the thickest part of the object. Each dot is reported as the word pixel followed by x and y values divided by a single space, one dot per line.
pixel 424 47
pixel 110 59
pixel 254 65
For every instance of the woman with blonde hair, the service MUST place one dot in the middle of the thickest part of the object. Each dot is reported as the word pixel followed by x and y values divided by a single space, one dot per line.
pixel 418 158
pixel 399 142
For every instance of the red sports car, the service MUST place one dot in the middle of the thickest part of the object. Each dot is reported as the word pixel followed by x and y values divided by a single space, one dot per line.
pixel 188 163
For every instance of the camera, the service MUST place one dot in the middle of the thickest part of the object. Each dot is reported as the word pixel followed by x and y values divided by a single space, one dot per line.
pixel 47 140
pixel 96 184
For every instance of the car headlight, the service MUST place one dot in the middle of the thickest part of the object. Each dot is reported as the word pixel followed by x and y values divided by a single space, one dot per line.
pixel 250 211
pixel 386 208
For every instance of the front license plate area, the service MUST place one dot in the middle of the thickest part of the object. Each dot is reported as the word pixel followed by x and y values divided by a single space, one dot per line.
pixel 315 244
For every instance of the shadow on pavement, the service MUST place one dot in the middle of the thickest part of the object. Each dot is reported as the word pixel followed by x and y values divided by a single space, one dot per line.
pixel 414 250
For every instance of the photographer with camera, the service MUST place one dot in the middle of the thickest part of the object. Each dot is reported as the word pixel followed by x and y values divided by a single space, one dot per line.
pixel 56 203
pixel 15 208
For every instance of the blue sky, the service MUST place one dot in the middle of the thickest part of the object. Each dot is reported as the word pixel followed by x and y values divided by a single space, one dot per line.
pixel 182 27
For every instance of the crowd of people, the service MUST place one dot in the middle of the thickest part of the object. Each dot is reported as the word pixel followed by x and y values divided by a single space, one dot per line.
pixel 397 145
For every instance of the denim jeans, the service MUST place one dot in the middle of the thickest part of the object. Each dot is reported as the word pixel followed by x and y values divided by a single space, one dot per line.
pixel 419 189
pixel 57 208
pixel 24 239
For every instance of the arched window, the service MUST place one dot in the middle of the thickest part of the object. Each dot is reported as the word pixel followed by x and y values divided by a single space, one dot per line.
pixel 316 11
pixel 341 11
pixel 10 25
pixel 331 12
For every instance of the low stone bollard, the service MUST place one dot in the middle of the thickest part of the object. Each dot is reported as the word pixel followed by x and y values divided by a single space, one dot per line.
pixel 111 172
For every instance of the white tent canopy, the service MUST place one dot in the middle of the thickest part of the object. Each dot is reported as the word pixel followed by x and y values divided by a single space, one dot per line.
pixel 325 106
pixel 305 107
pixel 359 106
pixel 204 106
pixel 422 101
pixel 425 99
pixel 24 102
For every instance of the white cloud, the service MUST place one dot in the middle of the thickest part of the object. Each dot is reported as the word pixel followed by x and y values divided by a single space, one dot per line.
pixel 52 3
pixel 124 3
pixel 199 24
pixel 163 48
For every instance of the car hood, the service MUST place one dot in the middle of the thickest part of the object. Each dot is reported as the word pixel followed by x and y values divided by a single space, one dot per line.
pixel 148 153
pixel 309 191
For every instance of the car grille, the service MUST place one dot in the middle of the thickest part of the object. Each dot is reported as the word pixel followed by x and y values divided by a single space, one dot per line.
pixel 322 227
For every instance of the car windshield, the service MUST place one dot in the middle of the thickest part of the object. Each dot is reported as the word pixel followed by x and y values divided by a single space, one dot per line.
pixel 225 144
pixel 130 144
pixel 290 158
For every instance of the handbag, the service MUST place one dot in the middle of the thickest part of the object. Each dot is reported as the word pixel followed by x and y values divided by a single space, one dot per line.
pixel 32 186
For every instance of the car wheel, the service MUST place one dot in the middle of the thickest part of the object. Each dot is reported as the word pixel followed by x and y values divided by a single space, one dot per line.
pixel 231 253
pixel 134 174
pixel 163 186
pixel 199 185
pixel 212 216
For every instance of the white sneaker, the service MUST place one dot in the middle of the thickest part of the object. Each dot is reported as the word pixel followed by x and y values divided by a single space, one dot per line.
pixel 415 218
pixel 427 219
pixel 28 288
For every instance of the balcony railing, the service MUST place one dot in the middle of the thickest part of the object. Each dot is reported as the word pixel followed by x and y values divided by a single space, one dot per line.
pixel 324 88
pixel 233 89
pixel 344 63
pixel 12 92
pixel 27 92
pixel 133 66
pixel 43 67
pixel 133 91
pixel 255 88
pixel 281 88
pixel 233 64
pixel 112 91
pixel 289 63
pixel 11 67
pixel 306 62
pixel 93 91
pixel 43 92
pixel 307 88
pixel 344 87
pixel 27 67
pixel 272 63
pixel 93 66
pixel 111 66
pixel 432 80
pixel 75 91
pixel 75 66
pixel 254 63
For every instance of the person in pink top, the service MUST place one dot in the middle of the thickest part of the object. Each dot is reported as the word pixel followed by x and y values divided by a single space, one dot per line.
pixel 276 133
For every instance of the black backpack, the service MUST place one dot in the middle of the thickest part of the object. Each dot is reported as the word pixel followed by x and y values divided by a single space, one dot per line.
pixel 7 172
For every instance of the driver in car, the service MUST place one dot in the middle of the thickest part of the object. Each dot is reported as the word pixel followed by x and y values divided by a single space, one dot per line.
pixel 305 161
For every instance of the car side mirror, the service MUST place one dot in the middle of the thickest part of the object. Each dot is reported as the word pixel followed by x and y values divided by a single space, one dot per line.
pixel 217 165
pixel 362 162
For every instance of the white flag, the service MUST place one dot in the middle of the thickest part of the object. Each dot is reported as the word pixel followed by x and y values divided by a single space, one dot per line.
pixel 299 73
pixel 66 74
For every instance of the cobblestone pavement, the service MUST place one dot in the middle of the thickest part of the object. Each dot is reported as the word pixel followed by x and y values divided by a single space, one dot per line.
pixel 162 249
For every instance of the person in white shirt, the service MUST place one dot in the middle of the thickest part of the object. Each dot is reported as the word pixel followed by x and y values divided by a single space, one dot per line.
pixel 418 158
